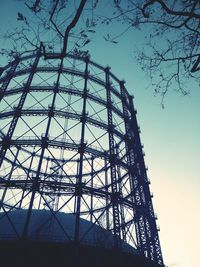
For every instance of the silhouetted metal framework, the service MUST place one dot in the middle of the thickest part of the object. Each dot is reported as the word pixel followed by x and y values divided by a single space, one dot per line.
pixel 69 141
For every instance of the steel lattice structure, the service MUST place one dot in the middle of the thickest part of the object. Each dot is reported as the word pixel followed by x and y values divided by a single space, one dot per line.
pixel 70 142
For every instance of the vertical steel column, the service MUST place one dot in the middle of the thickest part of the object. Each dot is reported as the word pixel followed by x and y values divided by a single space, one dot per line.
pixel 7 139
pixel 79 183
pixel 135 196
pixel 146 217
pixel 44 145
pixel 9 76
pixel 112 159
pixel 44 179
pixel 28 176
pixel 9 177
pixel 92 185
pixel 107 200
pixel 121 195
pixel 146 230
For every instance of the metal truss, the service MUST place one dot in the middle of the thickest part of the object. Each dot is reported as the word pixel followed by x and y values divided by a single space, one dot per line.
pixel 69 142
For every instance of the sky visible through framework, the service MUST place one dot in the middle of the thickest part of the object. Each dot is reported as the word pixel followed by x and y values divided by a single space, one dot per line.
pixel 170 137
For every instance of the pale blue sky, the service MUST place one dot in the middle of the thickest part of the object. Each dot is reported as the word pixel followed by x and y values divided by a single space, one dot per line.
pixel 171 144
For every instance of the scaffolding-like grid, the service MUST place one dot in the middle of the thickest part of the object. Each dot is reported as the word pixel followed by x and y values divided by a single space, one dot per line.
pixel 69 142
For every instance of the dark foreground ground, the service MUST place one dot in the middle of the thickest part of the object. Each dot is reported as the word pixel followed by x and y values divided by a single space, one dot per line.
pixel 43 254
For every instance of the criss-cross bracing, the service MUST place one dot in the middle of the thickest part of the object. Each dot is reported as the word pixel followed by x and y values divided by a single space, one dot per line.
pixel 69 142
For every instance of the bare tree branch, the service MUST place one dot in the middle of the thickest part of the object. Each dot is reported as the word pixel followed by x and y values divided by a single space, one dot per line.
pixel 51 19
pixel 36 6
pixel 190 14
pixel 71 26
pixel 170 52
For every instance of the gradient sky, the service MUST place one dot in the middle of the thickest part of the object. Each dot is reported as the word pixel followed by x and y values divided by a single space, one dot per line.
pixel 171 143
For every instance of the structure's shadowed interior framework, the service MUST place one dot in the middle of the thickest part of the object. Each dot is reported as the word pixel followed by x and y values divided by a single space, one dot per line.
pixel 69 142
